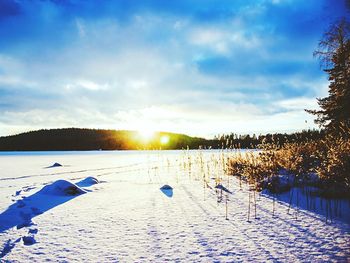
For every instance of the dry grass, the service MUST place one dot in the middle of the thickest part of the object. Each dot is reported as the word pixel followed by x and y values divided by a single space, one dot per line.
pixel 325 163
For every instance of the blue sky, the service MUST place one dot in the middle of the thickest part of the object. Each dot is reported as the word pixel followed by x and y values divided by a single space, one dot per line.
pixel 198 67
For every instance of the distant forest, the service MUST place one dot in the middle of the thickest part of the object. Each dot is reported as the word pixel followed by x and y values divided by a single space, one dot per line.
pixel 92 139
pixel 234 140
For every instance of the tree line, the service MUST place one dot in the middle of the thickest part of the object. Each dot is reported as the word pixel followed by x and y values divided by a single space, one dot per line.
pixel 94 139
pixel 97 139
pixel 254 141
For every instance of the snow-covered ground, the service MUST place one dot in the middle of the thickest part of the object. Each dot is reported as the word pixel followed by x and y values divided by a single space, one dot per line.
pixel 127 217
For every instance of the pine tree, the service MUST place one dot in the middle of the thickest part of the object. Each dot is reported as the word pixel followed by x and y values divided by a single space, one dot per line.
pixel 334 53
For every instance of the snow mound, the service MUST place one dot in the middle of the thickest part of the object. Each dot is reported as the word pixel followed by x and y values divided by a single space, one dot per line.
pixel 167 190
pixel 62 188
pixel 88 181
pixel 166 187
pixel 55 165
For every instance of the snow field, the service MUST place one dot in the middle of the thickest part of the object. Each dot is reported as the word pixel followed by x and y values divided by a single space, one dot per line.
pixel 128 218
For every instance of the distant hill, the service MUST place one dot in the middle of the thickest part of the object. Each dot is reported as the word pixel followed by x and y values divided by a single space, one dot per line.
pixel 92 139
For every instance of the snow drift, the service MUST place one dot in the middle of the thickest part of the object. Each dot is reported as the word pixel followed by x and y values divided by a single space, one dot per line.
pixel 20 213
pixel 88 181
pixel 62 187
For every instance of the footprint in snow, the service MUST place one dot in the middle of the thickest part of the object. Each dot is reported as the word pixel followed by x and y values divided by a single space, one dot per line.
pixel 33 231
pixel 17 193
pixel 20 204
pixel 28 240
pixel 28 188
pixel 27 220
pixel 36 211
pixel 8 246
pixel 24 217
pixel 25 224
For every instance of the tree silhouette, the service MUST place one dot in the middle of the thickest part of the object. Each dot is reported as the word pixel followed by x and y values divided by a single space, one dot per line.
pixel 334 54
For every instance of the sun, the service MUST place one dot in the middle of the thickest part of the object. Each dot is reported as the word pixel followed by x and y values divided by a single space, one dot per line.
pixel 146 133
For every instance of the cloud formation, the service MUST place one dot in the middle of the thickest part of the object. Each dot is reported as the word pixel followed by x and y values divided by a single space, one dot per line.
pixel 199 67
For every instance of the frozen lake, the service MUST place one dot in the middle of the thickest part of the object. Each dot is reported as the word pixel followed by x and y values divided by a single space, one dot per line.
pixel 126 217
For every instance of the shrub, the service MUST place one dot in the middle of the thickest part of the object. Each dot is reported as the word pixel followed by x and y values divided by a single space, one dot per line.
pixel 327 158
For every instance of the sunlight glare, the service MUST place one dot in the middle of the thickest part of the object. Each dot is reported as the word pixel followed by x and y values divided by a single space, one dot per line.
pixel 146 133
pixel 164 139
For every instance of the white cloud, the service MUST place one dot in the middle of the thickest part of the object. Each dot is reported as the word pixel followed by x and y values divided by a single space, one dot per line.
pixel 221 41
pixel 299 103
pixel 129 76
pixel 87 84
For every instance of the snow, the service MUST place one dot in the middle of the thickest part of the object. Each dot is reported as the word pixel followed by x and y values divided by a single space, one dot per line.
pixel 54 165
pixel 88 181
pixel 151 207
pixel 63 188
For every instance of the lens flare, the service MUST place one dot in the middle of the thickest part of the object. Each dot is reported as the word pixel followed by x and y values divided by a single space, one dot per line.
pixel 164 139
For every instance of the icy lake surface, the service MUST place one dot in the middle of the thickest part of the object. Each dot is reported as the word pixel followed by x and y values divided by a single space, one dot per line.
pixel 150 206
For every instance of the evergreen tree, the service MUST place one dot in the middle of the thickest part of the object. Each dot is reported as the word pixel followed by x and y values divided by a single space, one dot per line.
pixel 334 53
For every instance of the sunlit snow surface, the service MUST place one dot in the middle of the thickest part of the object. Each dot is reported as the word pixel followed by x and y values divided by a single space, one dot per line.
pixel 126 216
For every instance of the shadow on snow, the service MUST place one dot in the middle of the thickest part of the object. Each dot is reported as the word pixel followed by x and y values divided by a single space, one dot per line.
pixel 20 213
pixel 167 190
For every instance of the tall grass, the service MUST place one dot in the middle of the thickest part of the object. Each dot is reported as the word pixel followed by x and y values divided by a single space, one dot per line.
pixel 321 163
pixel 324 163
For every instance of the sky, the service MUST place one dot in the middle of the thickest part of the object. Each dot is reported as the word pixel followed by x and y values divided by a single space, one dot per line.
pixel 199 67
